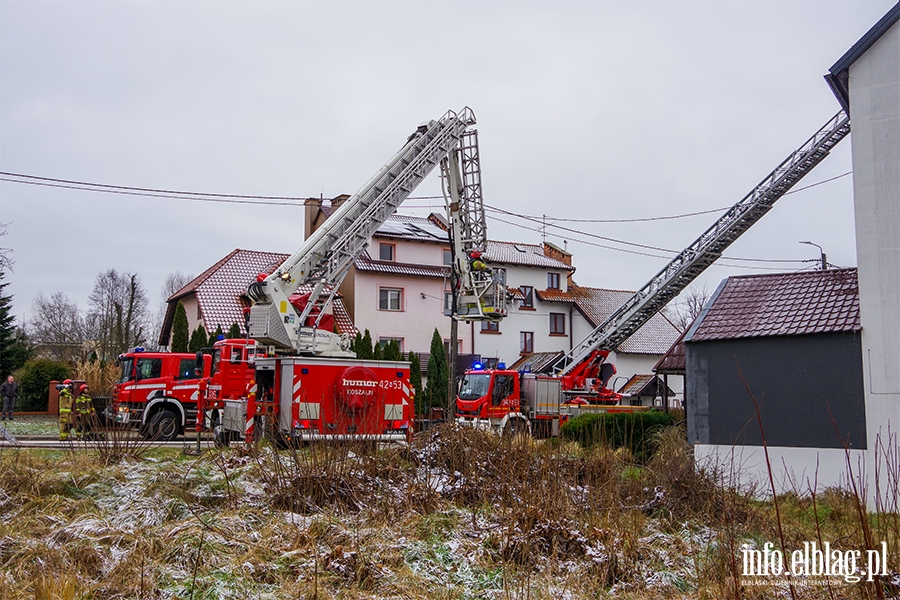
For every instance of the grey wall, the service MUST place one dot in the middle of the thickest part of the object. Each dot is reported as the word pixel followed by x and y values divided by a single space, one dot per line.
pixel 805 386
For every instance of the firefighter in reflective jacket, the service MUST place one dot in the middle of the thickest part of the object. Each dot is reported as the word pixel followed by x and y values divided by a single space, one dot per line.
pixel 66 402
pixel 84 412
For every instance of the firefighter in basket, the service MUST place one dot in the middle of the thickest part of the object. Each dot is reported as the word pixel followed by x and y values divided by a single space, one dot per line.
pixel 66 404
pixel 84 413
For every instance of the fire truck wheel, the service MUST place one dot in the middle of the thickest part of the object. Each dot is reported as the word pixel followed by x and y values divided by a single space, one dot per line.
pixel 514 427
pixel 164 426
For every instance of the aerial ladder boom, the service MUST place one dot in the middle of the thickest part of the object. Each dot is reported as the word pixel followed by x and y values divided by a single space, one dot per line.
pixel 327 254
pixel 479 293
pixel 704 251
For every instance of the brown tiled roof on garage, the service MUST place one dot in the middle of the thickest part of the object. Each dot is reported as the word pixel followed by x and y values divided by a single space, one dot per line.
pixel 781 304
pixel 673 361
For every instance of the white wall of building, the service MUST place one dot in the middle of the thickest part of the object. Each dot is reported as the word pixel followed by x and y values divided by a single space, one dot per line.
pixel 875 122
pixel 506 345
pixel 418 317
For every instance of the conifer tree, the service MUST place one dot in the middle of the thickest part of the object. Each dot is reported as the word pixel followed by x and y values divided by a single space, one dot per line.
pixel 180 333
pixel 13 349
pixel 377 353
pixel 235 331
pixel 364 348
pixel 198 339
pixel 215 336
pixel 415 380
pixel 438 375
pixel 392 351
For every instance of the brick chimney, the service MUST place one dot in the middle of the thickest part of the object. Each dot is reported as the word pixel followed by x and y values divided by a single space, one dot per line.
pixel 561 255
pixel 312 210
pixel 336 202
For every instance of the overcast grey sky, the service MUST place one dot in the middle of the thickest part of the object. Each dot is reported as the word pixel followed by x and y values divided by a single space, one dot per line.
pixel 586 110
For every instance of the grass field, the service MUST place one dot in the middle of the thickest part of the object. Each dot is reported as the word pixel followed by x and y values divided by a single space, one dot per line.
pixel 459 514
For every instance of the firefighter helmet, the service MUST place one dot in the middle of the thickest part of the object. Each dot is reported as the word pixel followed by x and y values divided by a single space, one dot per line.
pixel 67 382
pixel 83 388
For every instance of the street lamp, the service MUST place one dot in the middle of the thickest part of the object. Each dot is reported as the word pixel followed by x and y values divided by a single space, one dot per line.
pixel 821 252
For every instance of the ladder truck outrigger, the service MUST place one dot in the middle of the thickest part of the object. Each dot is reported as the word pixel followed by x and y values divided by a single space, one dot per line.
pixel 308 385
pixel 512 402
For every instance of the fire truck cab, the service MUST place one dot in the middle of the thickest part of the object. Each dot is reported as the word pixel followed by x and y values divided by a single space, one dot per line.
pixel 158 391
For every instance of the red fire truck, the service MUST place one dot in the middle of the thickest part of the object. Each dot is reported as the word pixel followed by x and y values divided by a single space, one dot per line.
pixel 310 385
pixel 505 400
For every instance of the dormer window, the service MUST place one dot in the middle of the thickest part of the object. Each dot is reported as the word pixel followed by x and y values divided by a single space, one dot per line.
pixel 553 281
pixel 386 252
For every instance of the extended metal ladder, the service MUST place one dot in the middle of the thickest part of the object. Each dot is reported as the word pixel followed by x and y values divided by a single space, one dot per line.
pixel 478 294
pixel 328 253
pixel 704 251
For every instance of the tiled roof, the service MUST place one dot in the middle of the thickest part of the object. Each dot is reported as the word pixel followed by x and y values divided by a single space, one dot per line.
pixel 407 227
pixel 537 362
pixel 528 255
pixel 554 295
pixel 655 337
pixel 643 385
pixel 673 360
pixel 220 287
pixel 365 263
pixel 781 304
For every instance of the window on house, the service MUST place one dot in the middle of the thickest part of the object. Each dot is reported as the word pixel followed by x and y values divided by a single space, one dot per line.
pixel 557 324
pixel 448 257
pixel 526 342
pixel 386 251
pixel 459 347
pixel 490 327
pixel 390 299
pixel 528 299
pixel 553 281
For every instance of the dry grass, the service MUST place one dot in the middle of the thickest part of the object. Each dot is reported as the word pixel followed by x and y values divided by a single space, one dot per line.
pixel 100 377
pixel 459 514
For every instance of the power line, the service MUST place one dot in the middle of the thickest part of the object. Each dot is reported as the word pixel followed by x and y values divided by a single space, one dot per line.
pixel 274 201
pixel 690 214
pixel 638 253
pixel 139 189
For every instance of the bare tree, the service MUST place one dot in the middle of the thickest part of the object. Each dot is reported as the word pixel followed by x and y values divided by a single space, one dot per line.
pixel 6 254
pixel 58 328
pixel 688 306
pixel 174 282
pixel 118 315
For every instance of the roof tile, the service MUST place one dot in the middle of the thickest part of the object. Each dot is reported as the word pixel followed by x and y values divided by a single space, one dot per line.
pixel 655 337
pixel 799 303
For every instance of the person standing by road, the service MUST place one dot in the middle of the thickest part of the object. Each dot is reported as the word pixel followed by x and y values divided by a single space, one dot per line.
pixel 66 404
pixel 84 413
pixel 9 391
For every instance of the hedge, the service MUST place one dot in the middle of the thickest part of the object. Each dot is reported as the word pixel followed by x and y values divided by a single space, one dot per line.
pixel 632 430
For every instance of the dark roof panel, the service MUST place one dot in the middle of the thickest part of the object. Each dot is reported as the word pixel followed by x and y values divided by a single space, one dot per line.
pixel 801 303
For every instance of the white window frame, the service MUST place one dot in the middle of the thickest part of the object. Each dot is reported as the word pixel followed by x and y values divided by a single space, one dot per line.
pixel 393 251
pixel 384 301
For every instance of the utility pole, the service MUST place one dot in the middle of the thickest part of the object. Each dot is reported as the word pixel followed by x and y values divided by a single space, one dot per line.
pixel 821 253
